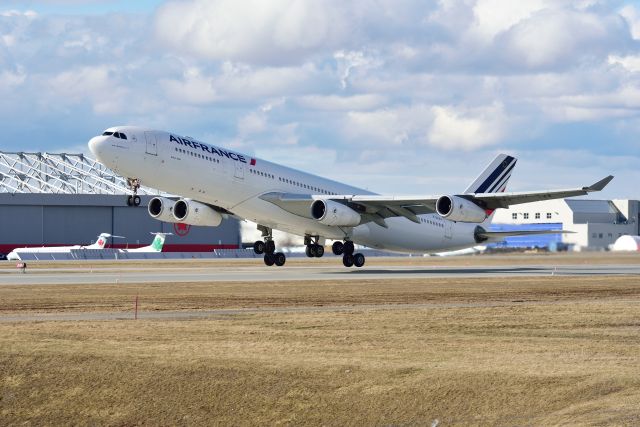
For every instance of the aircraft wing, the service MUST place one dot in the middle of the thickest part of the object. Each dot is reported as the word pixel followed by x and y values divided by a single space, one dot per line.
pixel 504 200
pixel 375 208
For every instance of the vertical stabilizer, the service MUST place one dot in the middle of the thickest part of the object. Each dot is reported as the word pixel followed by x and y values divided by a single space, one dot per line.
pixel 102 241
pixel 495 176
pixel 158 242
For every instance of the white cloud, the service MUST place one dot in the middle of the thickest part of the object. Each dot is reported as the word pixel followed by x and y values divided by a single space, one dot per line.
pixel 444 127
pixel 277 31
pixel 194 88
pixel 349 61
pixel 489 22
pixel 632 16
pixel 552 39
pixel 342 103
pixel 629 62
pixel 96 84
pixel 467 129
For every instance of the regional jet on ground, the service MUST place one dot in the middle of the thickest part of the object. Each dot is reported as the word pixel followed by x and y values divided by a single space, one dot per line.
pixel 155 246
pixel 215 183
pixel 16 254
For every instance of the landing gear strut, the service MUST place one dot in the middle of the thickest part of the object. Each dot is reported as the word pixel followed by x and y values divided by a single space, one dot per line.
pixel 346 249
pixel 134 185
pixel 268 248
pixel 313 249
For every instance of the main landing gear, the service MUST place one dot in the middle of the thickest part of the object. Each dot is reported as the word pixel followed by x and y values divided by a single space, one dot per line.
pixel 313 248
pixel 346 249
pixel 268 248
pixel 134 185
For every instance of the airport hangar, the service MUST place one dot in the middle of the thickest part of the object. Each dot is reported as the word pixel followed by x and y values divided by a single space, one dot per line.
pixel 69 199
pixel 596 224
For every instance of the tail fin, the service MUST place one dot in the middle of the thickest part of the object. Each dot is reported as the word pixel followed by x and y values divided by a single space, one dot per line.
pixel 495 176
pixel 102 241
pixel 158 241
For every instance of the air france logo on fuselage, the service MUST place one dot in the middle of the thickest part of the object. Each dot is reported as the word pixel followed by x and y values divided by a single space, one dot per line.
pixel 207 148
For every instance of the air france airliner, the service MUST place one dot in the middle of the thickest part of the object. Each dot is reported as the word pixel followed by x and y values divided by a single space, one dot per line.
pixel 214 183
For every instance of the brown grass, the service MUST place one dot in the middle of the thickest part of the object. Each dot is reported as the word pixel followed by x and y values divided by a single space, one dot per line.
pixel 529 365
pixel 217 295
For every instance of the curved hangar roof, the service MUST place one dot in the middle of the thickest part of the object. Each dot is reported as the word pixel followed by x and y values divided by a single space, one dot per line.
pixel 59 173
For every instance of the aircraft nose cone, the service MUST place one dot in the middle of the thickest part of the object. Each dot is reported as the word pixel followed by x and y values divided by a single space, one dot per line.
pixel 95 145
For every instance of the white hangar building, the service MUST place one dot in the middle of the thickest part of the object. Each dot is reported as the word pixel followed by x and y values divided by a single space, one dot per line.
pixel 596 224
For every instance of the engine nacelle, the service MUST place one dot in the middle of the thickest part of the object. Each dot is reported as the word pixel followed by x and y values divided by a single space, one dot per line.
pixel 333 213
pixel 161 209
pixel 194 213
pixel 456 208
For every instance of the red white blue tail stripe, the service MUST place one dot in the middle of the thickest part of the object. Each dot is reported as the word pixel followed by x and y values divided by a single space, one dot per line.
pixel 495 177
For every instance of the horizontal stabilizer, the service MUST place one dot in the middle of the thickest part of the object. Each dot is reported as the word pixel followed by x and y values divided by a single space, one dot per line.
pixel 496 236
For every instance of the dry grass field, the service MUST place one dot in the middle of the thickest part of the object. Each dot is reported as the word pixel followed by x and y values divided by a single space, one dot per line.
pixel 489 351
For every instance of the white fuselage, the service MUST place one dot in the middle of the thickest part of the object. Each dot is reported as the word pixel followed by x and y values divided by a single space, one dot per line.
pixel 235 182
pixel 15 255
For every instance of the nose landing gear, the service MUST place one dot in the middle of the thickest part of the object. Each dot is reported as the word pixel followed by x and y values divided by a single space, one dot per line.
pixel 134 185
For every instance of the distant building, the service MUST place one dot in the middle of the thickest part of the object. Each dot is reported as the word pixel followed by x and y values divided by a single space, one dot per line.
pixel 596 224
pixel 69 199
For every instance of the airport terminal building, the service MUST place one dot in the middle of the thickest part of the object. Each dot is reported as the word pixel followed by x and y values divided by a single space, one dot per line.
pixel 69 199
pixel 596 224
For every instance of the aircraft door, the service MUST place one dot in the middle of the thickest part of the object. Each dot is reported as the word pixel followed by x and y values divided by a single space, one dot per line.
pixel 448 226
pixel 239 170
pixel 152 143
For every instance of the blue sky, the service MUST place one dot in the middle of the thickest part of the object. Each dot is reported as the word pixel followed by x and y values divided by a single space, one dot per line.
pixel 397 96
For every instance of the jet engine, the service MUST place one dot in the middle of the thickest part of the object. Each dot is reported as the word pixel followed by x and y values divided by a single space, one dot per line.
pixel 195 213
pixel 161 209
pixel 329 212
pixel 456 208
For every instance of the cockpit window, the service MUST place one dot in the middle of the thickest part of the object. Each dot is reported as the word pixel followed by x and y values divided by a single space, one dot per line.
pixel 107 133
pixel 119 135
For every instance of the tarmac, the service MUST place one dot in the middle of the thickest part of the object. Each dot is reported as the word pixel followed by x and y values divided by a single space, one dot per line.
pixel 115 275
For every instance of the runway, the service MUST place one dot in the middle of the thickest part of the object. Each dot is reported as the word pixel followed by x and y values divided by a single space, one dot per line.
pixel 115 275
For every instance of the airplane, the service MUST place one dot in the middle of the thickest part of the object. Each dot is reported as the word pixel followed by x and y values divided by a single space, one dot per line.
pixel 214 183
pixel 15 255
pixel 155 246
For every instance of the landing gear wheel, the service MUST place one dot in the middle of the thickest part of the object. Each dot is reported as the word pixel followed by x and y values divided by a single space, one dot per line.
pixel 279 259
pixel 358 260
pixel 309 251
pixel 134 185
pixel 347 260
pixel 319 251
pixel 337 248
pixel 270 246
pixel 269 259
pixel 348 247
pixel 258 247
